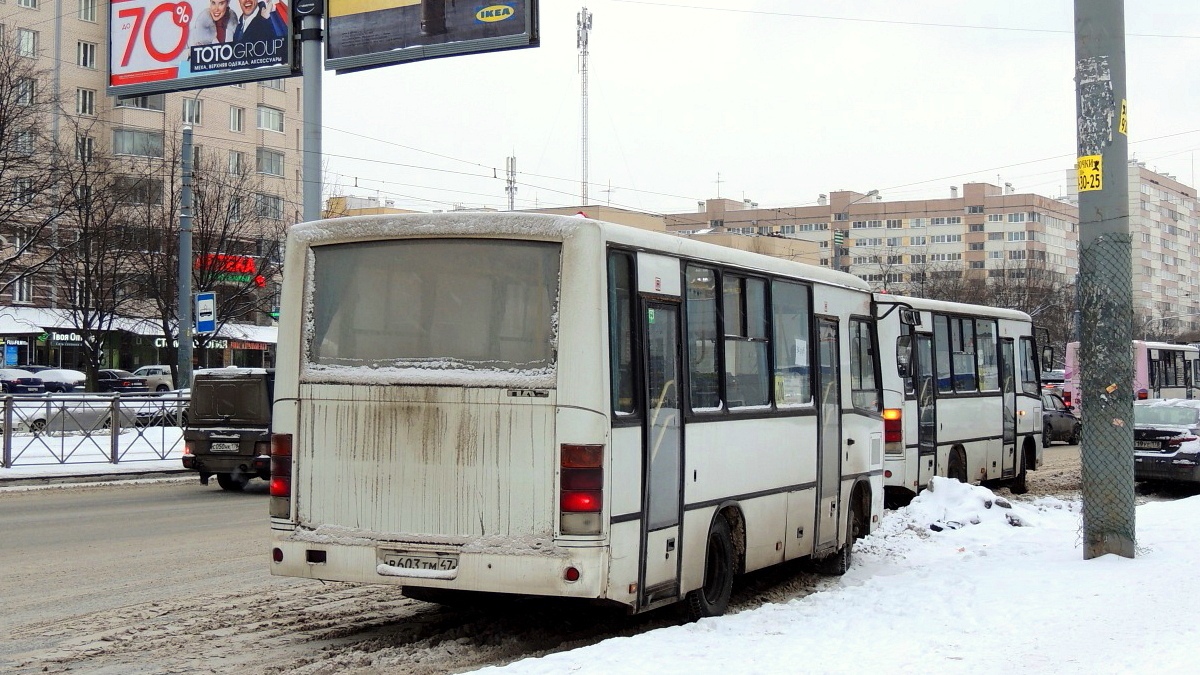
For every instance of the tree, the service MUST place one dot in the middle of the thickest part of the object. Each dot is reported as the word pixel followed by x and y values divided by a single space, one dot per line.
pixel 30 199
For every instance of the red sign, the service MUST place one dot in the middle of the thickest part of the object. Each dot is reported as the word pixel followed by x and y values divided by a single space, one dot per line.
pixel 228 264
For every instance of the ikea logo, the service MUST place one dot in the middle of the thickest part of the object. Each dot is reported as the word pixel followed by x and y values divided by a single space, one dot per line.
pixel 494 13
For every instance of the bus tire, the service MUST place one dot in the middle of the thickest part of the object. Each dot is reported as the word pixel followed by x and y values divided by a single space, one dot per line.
pixel 956 466
pixel 1020 484
pixel 839 563
pixel 712 599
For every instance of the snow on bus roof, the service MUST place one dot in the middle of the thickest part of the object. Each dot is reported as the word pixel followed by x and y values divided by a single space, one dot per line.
pixel 553 227
pixel 950 306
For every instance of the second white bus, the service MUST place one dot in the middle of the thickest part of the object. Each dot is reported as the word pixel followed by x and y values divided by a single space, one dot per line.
pixel 962 397
pixel 556 406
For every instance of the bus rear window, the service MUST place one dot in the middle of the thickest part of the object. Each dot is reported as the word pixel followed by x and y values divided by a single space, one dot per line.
pixel 441 304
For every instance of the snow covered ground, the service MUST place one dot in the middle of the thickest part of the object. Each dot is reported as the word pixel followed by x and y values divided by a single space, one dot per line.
pixel 998 588
pixel 71 454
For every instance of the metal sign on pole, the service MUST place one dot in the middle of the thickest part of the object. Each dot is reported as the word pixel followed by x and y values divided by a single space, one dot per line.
pixel 206 312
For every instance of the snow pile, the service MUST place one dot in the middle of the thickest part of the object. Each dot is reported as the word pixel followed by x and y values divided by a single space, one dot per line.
pixel 997 588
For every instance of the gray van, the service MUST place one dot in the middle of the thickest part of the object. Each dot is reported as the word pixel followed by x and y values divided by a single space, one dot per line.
pixel 228 431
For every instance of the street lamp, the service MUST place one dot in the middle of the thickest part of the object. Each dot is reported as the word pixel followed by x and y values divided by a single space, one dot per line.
pixel 837 238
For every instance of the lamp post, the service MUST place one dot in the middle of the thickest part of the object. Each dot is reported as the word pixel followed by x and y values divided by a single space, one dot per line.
pixel 838 237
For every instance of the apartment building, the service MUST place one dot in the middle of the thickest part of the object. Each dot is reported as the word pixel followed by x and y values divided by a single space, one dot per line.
pixel 1164 223
pixel 984 231
pixel 251 130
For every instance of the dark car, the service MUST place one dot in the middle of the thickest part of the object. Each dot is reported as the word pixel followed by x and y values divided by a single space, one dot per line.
pixel 17 381
pixel 1059 422
pixel 228 431
pixel 120 381
pixel 1166 440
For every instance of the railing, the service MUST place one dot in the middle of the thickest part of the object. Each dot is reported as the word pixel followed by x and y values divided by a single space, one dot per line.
pixel 55 429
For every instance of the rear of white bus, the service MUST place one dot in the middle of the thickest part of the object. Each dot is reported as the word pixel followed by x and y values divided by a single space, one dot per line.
pixel 430 432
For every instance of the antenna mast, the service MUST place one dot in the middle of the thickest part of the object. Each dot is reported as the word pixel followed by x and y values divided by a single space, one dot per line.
pixel 583 20
pixel 510 166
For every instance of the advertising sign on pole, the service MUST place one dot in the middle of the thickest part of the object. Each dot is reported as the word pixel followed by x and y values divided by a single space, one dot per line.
pixel 206 312
pixel 364 34
pixel 157 46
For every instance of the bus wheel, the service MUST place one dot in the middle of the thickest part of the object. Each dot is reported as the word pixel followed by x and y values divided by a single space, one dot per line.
pixel 1020 484
pixel 712 599
pixel 232 483
pixel 839 563
pixel 956 466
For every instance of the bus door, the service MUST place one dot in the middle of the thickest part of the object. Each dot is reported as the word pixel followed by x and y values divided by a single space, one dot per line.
pixel 1008 390
pixel 662 455
pixel 926 387
pixel 829 458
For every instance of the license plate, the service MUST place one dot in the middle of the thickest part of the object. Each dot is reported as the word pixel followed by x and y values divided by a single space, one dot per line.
pixel 442 562
pixel 1149 445
pixel 223 447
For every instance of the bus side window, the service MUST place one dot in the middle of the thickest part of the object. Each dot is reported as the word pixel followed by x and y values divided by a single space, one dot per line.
pixel 745 321
pixel 703 390
pixel 792 376
pixel 1029 371
pixel 941 343
pixel 620 332
pixel 985 352
pixel 864 386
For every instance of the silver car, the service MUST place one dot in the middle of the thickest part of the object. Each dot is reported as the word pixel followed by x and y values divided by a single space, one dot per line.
pixel 1166 440
pixel 158 378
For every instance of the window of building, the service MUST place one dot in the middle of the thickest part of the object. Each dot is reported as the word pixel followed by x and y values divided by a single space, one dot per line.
pixel 270 162
pixel 87 10
pixel 995 255
pixel 995 236
pixel 917 241
pixel 917 222
pixel 954 220
pixel 974 209
pixel 84 147
pixel 193 110
pixel 85 55
pixel 874 223
pixel 976 227
pixel 1017 255
pixel 276 84
pixel 841 216
pixel 872 241
pixel 23 289
pixel 28 4
pixel 26 89
pixel 237 162
pixel 270 119
pixel 995 218
pixel 975 246
pixel 1016 236
pixel 895 241
pixel 27 42
pixel 895 259
pixel 138 142
pixel 136 190
pixel 895 224
pixel 937 221
pixel 23 143
pixel 946 238
pixel 1016 217
pixel 148 102
pixel 237 118
pixel 787 229
pixel 85 102
pixel 269 206
pixel 976 264
pixel 859 225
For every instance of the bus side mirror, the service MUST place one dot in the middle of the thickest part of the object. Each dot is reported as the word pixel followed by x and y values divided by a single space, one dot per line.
pixel 904 355
pixel 1047 358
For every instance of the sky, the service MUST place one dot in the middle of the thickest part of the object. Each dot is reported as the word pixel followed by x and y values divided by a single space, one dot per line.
pixel 771 101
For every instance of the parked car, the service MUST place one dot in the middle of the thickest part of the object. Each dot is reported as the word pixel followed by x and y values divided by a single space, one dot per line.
pixel 158 378
pixel 1059 422
pixel 228 431
pixel 120 381
pixel 63 380
pixel 34 368
pixel 17 381
pixel 1166 440
pixel 168 409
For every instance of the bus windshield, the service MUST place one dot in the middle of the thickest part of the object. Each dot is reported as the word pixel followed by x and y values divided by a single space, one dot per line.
pixel 436 304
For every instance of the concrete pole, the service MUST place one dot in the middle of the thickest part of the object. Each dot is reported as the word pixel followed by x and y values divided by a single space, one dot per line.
pixel 1105 279
pixel 184 312
pixel 311 62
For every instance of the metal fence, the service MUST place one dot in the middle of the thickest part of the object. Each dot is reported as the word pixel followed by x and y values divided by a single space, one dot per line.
pixel 91 428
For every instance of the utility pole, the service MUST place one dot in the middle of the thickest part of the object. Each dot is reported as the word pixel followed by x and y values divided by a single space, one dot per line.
pixel 184 311
pixel 583 21
pixel 1105 279
pixel 510 167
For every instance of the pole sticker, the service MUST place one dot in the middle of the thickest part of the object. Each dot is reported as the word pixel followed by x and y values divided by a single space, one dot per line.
pixel 1123 126
pixel 1090 173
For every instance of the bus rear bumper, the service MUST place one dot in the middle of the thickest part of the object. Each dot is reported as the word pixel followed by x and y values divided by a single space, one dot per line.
pixel 514 573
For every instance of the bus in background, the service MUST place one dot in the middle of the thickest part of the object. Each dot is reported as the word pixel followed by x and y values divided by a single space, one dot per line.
pixel 1160 370
pixel 556 406
pixel 961 394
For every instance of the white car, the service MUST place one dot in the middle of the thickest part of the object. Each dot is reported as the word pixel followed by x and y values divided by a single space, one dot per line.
pixel 63 380
pixel 158 378
pixel 1166 440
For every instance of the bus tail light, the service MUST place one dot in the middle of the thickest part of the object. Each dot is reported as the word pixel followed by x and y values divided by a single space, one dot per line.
pixel 1142 394
pixel 281 475
pixel 581 488
pixel 893 431
pixel 1066 396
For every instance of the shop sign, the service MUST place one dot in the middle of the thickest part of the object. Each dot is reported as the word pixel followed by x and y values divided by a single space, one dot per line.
pixel 15 341
pixel 243 344
pixel 66 339
pixel 212 344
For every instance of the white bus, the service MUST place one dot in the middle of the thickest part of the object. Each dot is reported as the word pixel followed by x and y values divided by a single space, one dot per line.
pixel 962 398
pixel 556 406
pixel 1160 370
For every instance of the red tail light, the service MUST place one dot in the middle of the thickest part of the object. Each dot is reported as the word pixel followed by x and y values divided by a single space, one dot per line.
pixel 893 431
pixel 1176 441
pixel 281 475
pixel 1066 397
pixel 1142 394
pixel 581 488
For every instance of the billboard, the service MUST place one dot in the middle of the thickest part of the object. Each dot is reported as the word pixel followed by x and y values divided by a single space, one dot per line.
pixel 363 34
pixel 157 46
